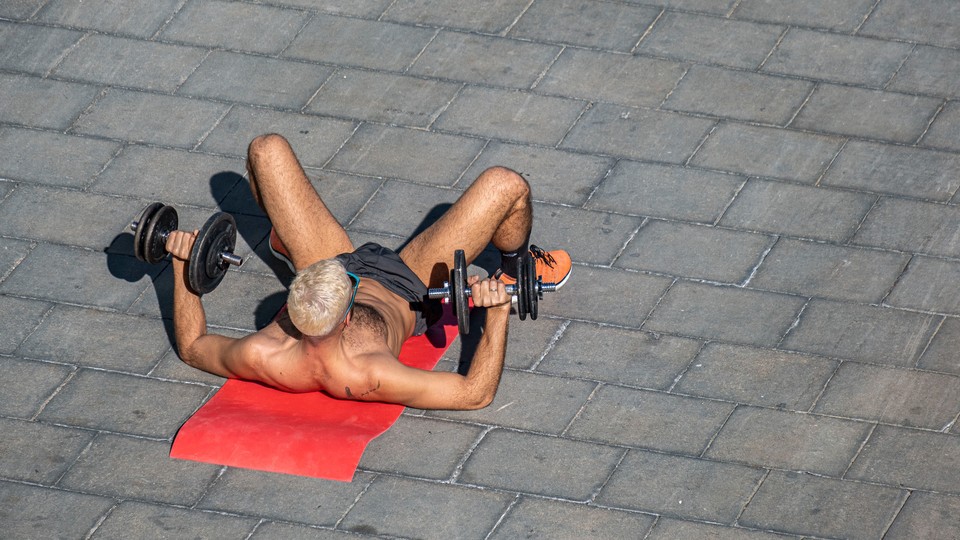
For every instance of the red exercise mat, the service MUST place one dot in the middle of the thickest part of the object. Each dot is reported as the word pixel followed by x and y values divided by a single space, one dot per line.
pixel 252 426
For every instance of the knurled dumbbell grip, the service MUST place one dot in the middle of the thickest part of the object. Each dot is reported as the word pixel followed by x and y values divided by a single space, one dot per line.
pixel 445 291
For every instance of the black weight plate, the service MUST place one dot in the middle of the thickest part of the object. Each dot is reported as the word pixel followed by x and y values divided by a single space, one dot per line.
pixel 523 306
pixel 531 289
pixel 159 226
pixel 206 268
pixel 140 232
pixel 458 283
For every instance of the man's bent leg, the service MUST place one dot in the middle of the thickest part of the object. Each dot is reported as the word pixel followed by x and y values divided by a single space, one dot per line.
pixel 302 221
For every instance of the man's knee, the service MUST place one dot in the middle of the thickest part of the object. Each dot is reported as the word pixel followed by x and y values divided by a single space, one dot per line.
pixel 265 145
pixel 506 180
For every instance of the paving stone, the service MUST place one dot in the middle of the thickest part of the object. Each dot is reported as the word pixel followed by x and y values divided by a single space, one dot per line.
pixel 695 251
pixel 401 209
pixel 743 96
pixel 509 115
pixel 929 70
pixel 22 319
pixel 703 6
pixel 842 15
pixel 141 520
pixel 727 314
pixel 590 237
pixel 894 396
pixel 383 97
pixel 630 358
pixel 44 103
pixel 800 211
pixel 33 512
pixel 554 175
pixel 26 157
pixel 529 463
pixel 912 226
pixel 858 332
pixel 119 61
pixel 937 23
pixel 634 81
pixel 38 453
pixel 133 468
pixel 434 511
pixel 139 18
pixel 171 368
pixel 272 529
pixel 401 449
pixel 680 486
pixel 526 342
pixel 611 296
pixel 909 458
pixel 945 130
pixel 871 114
pixel 554 519
pixel 756 377
pixel 895 170
pixel 291 498
pixel 20 9
pixel 229 25
pixel 769 152
pixel 484 60
pixel 33 49
pixel 927 515
pixel 605 26
pixel 360 43
pixel 163 120
pixel 94 338
pixel 788 440
pixel 810 505
pixel 838 58
pixel 665 191
pixel 654 420
pixel 709 40
pixel 637 134
pixel 928 285
pixel 490 17
pixel 27 384
pixel 828 271
pixel 674 528
pixel 407 154
pixel 941 353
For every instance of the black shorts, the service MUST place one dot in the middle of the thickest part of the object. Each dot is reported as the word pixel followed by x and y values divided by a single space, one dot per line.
pixel 382 265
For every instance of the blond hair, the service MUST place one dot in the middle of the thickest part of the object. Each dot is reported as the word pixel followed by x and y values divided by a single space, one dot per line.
pixel 319 297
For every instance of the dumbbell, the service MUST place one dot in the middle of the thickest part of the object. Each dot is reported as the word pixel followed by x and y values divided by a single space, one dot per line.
pixel 529 289
pixel 212 251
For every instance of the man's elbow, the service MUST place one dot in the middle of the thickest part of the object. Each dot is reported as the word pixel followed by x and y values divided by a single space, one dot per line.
pixel 479 400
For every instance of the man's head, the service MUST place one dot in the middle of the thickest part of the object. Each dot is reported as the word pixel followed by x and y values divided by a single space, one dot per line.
pixel 319 297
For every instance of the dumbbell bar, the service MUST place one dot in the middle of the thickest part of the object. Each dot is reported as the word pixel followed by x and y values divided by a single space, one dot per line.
pixel 212 252
pixel 529 289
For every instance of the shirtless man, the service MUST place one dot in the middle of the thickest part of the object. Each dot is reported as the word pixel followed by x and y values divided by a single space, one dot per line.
pixel 349 311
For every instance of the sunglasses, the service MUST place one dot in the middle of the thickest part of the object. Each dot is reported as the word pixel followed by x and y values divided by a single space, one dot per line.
pixel 356 285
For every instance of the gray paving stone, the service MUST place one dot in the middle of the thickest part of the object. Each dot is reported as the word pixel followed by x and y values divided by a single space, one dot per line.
pixel 927 515
pixel 828 271
pixel 133 468
pixel 837 58
pixel 598 25
pixel 727 314
pixel 95 338
pixel 842 15
pixel 654 420
pixel 871 114
pixel 928 285
pixel 22 319
pixel 930 70
pixel 590 237
pixel 750 97
pixel 116 61
pixel 287 497
pixel 800 211
pixel 39 453
pixel 756 377
pixel 912 226
pixel 231 25
pixel 945 130
pixel 139 18
pixel 490 17
pixel 667 528
pixel 27 384
pixel 43 103
pixel 34 512
pixel 434 511
pixel 33 49
pixel 403 448
pixel 554 519
pixel 271 529
pixel 709 40
pixel 788 440
pixel 368 9
pixel 809 505
pixel 634 81
pixel 20 9
pixel 894 396
pixel 909 458
pixel 540 465
pixel 764 151
pixel 509 115
pixel 695 251
pixel 27 157
pixel 896 170
pixel 858 332
pixel 941 353
pixel 680 486
pixel 141 520
pixel 640 134
pixel 399 208
pixel 407 154
pixel 383 97
pixel 360 43
pixel 665 191
pixel 526 342
pixel 703 6
pixel 937 23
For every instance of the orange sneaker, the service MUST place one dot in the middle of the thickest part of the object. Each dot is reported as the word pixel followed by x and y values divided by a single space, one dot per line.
pixel 279 250
pixel 552 267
